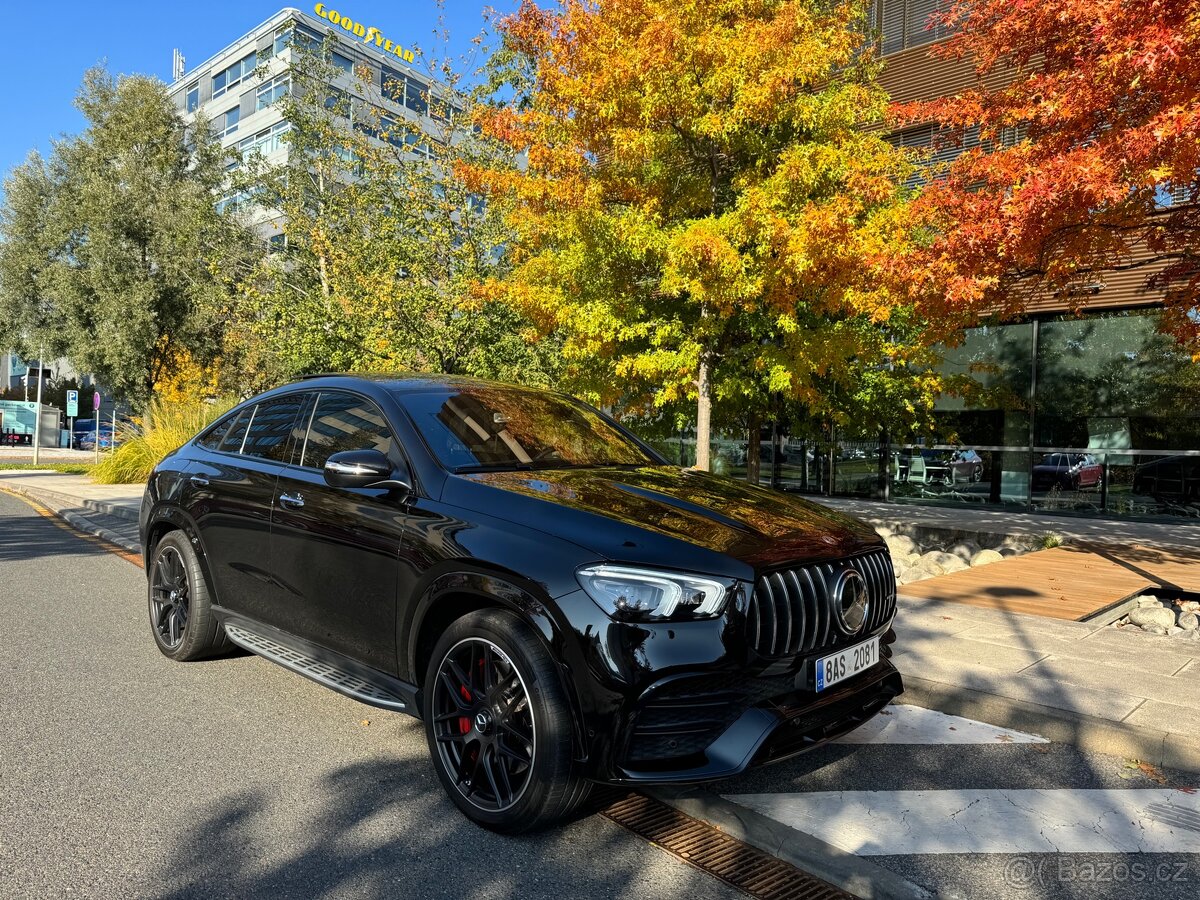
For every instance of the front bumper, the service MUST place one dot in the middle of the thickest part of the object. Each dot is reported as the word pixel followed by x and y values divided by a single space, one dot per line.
pixel 773 729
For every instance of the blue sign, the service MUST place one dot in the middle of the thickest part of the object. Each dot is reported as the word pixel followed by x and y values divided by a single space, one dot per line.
pixel 72 404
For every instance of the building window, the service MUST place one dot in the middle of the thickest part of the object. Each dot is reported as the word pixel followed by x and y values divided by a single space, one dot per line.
pixel 233 75
pixel 905 23
pixel 264 142
pixel 405 90
pixel 272 91
pixel 296 36
pixel 934 148
pixel 193 97
pixel 228 123
pixel 342 62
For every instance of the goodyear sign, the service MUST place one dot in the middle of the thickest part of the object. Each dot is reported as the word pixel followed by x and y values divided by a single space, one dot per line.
pixel 370 35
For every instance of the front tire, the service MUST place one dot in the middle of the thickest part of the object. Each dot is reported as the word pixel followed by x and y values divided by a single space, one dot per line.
pixel 181 617
pixel 499 725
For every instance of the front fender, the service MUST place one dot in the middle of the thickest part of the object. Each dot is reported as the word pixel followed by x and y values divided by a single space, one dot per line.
pixel 505 590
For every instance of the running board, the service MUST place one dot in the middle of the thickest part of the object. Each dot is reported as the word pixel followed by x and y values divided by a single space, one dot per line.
pixel 331 676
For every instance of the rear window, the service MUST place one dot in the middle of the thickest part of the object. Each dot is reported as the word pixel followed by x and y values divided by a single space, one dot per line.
pixel 272 427
pixel 211 438
pixel 235 434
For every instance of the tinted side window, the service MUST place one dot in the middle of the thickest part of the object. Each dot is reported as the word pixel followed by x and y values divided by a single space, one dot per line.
pixel 231 441
pixel 211 439
pixel 344 422
pixel 271 428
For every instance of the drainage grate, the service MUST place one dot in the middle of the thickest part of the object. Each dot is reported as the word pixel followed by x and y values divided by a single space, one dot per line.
pixel 739 865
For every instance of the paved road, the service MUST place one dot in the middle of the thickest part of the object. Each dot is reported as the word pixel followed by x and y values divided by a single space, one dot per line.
pixel 123 774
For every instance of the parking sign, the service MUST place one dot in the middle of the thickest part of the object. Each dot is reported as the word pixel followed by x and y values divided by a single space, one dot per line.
pixel 72 404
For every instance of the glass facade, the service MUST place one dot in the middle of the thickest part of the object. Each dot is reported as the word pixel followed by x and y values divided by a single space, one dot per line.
pixel 1095 414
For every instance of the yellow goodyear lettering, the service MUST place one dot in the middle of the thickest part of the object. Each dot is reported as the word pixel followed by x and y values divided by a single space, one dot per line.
pixel 320 10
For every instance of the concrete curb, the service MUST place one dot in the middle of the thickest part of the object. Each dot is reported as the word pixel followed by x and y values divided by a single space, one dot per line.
pixel 851 873
pixel 56 502
pixel 100 506
pixel 1152 745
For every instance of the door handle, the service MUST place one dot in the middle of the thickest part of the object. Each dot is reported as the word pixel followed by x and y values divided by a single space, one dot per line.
pixel 199 480
pixel 295 501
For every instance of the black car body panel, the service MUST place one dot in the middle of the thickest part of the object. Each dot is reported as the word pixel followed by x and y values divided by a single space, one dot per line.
pixel 364 579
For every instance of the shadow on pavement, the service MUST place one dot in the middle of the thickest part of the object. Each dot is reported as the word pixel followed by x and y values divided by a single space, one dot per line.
pixel 390 832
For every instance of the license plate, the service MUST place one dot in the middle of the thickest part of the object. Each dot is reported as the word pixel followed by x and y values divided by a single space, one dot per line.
pixel 844 663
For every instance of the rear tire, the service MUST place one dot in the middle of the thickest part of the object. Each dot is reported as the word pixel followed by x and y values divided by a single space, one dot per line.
pixel 499 725
pixel 180 605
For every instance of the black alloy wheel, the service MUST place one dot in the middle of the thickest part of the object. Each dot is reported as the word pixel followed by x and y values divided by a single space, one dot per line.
pixel 484 724
pixel 181 616
pixel 499 725
pixel 169 591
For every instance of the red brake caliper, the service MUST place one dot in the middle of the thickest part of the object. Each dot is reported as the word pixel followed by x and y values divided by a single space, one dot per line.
pixel 464 723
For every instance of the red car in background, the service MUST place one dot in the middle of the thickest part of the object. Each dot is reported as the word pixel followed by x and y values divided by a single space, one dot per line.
pixel 1068 471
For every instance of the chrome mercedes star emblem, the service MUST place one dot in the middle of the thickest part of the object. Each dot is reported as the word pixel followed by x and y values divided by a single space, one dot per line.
pixel 852 600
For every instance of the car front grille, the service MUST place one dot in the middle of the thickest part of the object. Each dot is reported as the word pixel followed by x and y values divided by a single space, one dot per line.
pixel 792 610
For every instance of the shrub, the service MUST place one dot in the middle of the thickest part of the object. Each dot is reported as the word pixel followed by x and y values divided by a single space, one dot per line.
pixel 165 427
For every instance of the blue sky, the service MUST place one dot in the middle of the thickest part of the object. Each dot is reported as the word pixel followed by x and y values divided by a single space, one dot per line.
pixel 48 48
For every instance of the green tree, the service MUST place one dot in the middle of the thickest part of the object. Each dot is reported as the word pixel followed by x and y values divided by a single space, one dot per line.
pixel 708 211
pixel 111 251
pixel 385 244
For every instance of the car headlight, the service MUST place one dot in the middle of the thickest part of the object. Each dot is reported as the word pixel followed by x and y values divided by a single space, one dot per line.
pixel 649 594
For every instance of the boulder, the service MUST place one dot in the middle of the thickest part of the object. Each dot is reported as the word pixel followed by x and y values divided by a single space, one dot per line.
pixel 1189 621
pixel 883 531
pixel 983 557
pixel 900 566
pixel 901 545
pixel 1154 629
pixel 1152 617
pixel 912 574
pixel 964 550
pixel 1147 600
pixel 1006 552
pixel 946 562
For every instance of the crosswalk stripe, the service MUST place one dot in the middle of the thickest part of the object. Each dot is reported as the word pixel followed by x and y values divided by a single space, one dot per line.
pixel 902 723
pixel 885 823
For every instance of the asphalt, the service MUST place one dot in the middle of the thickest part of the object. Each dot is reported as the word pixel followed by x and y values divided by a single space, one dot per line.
pixel 123 774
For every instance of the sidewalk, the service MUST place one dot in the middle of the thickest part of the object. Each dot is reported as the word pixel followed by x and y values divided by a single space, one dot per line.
pixel 1103 689
pixel 109 511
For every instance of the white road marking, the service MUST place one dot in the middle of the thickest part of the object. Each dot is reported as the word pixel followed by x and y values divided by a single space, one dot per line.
pixel 902 723
pixel 882 823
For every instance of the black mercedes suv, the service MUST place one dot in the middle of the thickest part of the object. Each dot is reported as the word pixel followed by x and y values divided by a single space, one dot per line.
pixel 559 605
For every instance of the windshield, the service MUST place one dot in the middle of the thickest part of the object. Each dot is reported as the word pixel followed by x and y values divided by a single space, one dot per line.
pixel 483 428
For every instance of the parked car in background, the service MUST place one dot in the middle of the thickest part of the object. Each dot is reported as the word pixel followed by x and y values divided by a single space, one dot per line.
pixel 87 440
pixel 1067 471
pixel 965 465
pixel 559 605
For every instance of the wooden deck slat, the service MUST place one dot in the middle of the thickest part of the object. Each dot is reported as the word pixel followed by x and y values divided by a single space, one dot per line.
pixel 1065 582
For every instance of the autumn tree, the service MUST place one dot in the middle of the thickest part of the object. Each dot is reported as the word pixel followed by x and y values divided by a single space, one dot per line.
pixel 1088 156
pixel 111 252
pixel 706 206
pixel 384 244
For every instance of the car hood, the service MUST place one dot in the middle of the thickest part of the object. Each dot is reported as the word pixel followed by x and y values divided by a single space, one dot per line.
pixel 665 516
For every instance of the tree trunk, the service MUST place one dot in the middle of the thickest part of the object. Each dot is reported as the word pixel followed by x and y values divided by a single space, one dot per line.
pixel 704 415
pixel 753 449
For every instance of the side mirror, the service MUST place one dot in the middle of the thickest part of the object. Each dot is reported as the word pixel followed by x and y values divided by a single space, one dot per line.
pixel 361 469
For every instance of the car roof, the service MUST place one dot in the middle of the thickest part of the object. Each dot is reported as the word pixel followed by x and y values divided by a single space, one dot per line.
pixel 404 382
